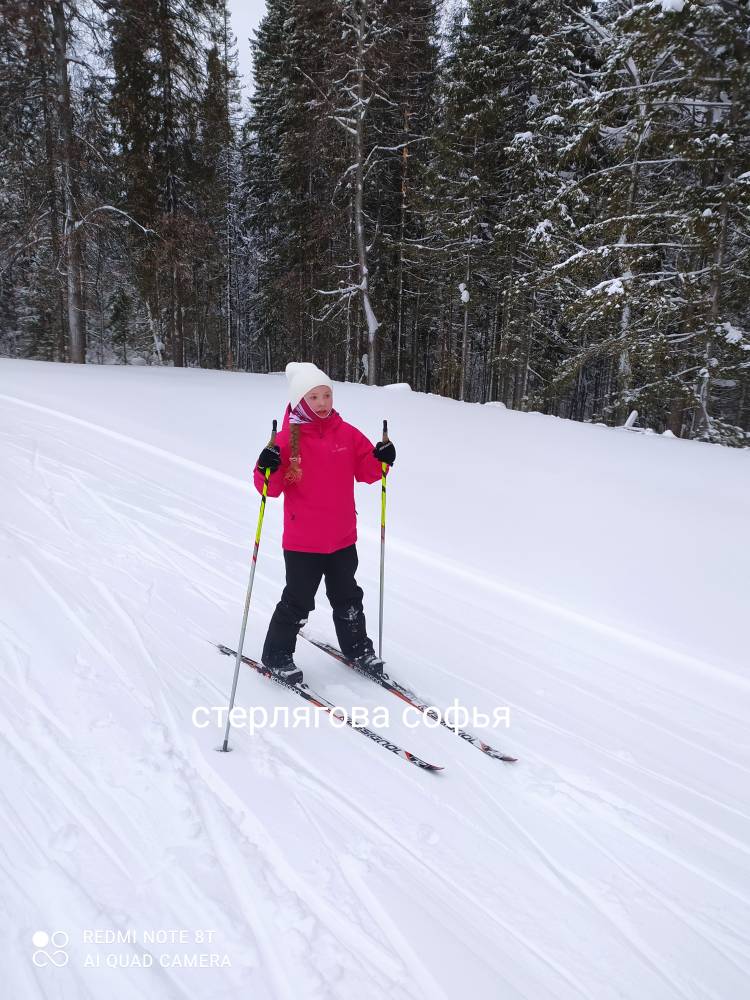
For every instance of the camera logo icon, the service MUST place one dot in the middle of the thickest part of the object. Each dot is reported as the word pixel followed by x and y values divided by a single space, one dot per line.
pixel 49 948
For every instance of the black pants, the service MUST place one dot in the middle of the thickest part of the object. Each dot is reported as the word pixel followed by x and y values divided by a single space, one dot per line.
pixel 304 571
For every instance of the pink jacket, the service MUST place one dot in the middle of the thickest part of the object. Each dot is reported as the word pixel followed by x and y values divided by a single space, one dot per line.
pixel 319 514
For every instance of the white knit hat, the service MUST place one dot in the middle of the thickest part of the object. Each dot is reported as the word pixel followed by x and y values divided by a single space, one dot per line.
pixel 303 377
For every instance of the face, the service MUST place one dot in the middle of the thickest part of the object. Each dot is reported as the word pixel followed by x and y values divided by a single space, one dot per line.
pixel 320 400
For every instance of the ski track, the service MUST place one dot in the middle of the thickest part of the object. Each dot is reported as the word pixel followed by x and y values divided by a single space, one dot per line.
pixel 572 735
pixel 369 823
pixel 559 676
pixel 236 835
pixel 419 972
pixel 619 635
pixel 76 619
pixel 577 885
pixel 232 862
pixel 64 785
pixel 230 799
pixel 434 874
pixel 250 826
pixel 558 672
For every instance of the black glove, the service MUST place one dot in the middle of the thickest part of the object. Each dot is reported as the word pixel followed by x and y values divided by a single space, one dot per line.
pixel 385 452
pixel 270 458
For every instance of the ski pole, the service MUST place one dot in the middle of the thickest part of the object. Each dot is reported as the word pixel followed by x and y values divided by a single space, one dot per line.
pixel 225 748
pixel 382 542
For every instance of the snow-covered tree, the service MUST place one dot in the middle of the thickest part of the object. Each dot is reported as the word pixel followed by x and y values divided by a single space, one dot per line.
pixel 650 271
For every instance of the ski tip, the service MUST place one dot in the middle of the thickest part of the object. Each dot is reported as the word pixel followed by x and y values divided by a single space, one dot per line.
pixel 495 754
pixel 412 757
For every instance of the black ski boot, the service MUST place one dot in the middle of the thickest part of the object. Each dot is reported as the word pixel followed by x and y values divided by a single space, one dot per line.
pixel 369 663
pixel 282 665
pixel 354 642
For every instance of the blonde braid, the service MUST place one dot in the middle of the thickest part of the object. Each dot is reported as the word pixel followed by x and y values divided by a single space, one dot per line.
pixel 294 472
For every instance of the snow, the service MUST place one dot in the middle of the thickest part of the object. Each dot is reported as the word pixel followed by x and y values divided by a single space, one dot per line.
pixel 577 574
pixel 611 286
pixel 672 6
pixel 542 231
pixel 732 334
pixel 373 323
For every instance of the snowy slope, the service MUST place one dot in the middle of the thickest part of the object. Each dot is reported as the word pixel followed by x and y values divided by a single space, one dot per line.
pixel 594 581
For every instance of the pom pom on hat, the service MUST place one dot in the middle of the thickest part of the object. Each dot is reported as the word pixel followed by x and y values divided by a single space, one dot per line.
pixel 302 377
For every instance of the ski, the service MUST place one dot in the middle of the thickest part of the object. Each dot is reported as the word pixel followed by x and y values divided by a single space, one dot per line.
pixel 305 692
pixel 414 700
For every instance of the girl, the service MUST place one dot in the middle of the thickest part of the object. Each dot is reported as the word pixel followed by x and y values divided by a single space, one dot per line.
pixel 315 461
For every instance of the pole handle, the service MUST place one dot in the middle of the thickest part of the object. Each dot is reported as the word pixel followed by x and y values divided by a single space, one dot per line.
pixel 271 443
pixel 385 431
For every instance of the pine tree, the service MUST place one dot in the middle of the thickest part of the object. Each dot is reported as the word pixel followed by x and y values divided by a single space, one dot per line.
pixel 33 299
pixel 264 198
pixel 404 126
pixel 157 52
pixel 548 206
pixel 648 273
pixel 212 181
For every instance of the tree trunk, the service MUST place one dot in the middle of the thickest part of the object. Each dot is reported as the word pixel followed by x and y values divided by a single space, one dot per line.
pixel 415 343
pixel 465 341
pixel 71 232
pixel 492 380
pixel 359 225
pixel 40 26
pixel 402 227
pixel 704 383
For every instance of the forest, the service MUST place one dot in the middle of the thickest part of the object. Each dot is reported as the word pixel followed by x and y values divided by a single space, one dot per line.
pixel 543 204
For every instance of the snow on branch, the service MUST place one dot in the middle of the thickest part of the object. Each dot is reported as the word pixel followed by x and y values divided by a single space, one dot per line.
pixel 111 208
